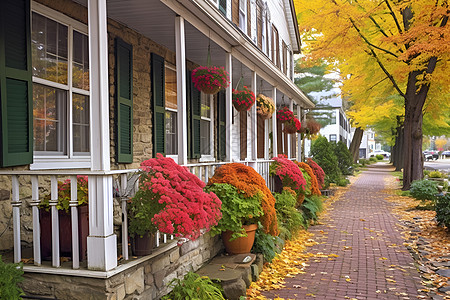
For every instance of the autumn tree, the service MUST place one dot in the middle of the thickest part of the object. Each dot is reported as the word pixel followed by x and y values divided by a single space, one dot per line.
pixel 394 49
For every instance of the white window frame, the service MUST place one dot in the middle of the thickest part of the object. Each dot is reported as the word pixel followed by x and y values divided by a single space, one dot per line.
pixel 264 29
pixel 173 68
pixel 69 161
pixel 243 25
pixel 209 157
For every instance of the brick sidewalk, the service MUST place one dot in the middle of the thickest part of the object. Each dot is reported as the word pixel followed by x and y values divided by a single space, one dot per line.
pixel 372 262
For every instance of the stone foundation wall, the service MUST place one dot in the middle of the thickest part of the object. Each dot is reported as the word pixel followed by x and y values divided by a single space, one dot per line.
pixel 148 280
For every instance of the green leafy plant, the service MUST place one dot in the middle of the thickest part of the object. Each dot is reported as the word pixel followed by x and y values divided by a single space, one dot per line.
pixel 237 209
pixel 379 157
pixel 373 159
pixel 424 189
pixel 141 211
pixel 10 277
pixel 323 153
pixel 443 210
pixel 363 162
pixel 290 220
pixel 64 194
pixel 194 287
pixel 342 181
pixel 267 244
pixel 345 160
pixel 426 172
pixel 435 174
pixel 311 207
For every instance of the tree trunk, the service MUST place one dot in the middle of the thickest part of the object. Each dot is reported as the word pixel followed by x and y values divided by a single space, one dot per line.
pixel 414 102
pixel 356 142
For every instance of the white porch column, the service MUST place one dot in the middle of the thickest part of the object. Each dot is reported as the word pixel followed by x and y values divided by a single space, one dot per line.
pixel 289 137
pixel 101 242
pixel 229 108
pixel 299 140
pixel 181 89
pixel 274 124
pixel 252 142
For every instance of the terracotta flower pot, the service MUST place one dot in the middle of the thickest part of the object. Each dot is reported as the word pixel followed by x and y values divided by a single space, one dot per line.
pixel 240 245
pixel 211 89
pixel 143 245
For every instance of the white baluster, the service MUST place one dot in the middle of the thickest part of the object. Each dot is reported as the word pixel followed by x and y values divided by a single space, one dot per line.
pixel 36 225
pixel 16 203
pixel 55 222
pixel 123 183
pixel 157 238
pixel 200 173
pixel 165 238
pixel 74 212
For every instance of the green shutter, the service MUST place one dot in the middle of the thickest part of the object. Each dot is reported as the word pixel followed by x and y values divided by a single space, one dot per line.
pixel 16 106
pixel 221 129
pixel 158 104
pixel 223 6
pixel 124 102
pixel 195 119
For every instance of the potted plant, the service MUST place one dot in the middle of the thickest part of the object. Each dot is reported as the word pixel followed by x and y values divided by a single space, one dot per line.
pixel 65 228
pixel 209 79
pixel 245 200
pixel 171 199
pixel 284 114
pixel 311 128
pixel 243 99
pixel 265 106
pixel 292 126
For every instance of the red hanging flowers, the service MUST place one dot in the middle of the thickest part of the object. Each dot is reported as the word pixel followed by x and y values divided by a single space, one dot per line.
pixel 243 100
pixel 210 80
pixel 284 115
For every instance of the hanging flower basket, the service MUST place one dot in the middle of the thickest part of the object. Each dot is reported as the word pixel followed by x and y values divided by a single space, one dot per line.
pixel 243 100
pixel 284 115
pixel 292 126
pixel 210 80
pixel 312 127
pixel 265 106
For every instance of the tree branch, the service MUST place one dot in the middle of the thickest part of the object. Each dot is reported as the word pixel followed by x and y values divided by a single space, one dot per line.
pixel 378 83
pixel 369 43
pixel 394 17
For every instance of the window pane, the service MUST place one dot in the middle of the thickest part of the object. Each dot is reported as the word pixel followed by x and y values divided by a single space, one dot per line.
pixel 171 133
pixel 171 88
pixel 49 49
pixel 49 112
pixel 80 109
pixel 205 137
pixel 206 106
pixel 80 75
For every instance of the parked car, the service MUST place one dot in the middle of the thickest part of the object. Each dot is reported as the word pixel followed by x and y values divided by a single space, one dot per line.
pixel 430 155
pixel 377 152
pixel 446 154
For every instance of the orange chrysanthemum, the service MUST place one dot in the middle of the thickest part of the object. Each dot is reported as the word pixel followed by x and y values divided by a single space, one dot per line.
pixel 249 182
pixel 314 183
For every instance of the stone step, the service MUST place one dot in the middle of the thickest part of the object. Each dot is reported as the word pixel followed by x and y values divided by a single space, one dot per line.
pixel 234 272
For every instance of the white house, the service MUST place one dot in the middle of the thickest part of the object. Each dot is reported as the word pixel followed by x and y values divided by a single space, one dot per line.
pixel 94 87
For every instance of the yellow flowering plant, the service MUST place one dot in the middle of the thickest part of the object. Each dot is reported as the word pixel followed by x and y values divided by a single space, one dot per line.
pixel 265 106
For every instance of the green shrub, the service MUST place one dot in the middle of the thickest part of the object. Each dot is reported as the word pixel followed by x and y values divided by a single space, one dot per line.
pixel 194 287
pixel 267 244
pixel 290 220
pixel 373 159
pixel 424 189
pixel 311 207
pixel 379 157
pixel 323 154
pixel 342 181
pixel 443 210
pixel 10 277
pixel 344 157
pixel 435 174
pixel 426 172
pixel 363 162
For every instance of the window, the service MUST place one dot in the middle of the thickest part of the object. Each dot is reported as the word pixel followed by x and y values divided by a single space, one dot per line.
pixel 171 110
pixel 243 15
pixel 223 6
pixel 333 138
pixel 60 60
pixel 333 117
pixel 275 47
pixel 284 57
pixel 205 125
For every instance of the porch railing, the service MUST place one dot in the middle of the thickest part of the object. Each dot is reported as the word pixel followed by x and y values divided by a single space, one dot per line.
pixel 125 185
